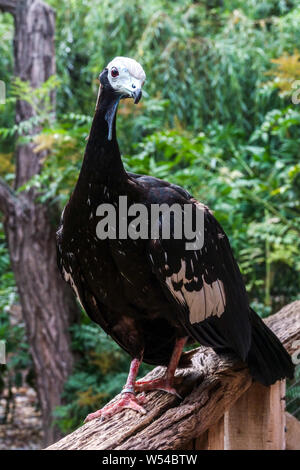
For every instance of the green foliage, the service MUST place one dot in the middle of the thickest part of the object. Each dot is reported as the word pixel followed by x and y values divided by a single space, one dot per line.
pixel 208 62
pixel 286 73
pixel 293 394
pixel 40 101
pixel 17 354
pixel 7 110
pixel 64 142
pixel 38 98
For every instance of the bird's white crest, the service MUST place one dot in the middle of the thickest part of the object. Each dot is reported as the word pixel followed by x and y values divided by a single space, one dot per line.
pixel 131 75
pixel 132 66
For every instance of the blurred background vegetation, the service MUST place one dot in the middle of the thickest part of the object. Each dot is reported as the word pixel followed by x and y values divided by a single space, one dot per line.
pixel 217 117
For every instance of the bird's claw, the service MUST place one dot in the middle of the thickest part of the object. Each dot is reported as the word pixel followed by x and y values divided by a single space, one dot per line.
pixel 161 383
pixel 127 400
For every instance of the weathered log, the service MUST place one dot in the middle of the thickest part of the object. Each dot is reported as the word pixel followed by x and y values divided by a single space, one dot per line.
pixel 209 385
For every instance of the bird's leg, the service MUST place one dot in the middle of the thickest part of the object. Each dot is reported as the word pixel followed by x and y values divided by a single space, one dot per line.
pixel 127 398
pixel 165 382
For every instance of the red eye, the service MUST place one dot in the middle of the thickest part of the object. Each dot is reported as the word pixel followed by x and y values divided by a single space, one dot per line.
pixel 114 72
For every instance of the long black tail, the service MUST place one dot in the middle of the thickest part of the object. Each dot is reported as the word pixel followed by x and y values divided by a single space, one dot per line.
pixel 267 359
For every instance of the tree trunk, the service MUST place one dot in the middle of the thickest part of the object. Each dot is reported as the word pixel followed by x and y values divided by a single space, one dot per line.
pixel 48 305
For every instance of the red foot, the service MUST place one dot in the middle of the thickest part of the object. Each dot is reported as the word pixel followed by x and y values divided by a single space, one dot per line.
pixel 127 400
pixel 156 384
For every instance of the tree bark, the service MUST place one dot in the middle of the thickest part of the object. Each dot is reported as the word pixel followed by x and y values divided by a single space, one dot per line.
pixel 209 384
pixel 48 305
pixel 8 6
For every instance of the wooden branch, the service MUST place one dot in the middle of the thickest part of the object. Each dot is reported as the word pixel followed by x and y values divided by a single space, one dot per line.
pixel 209 384
pixel 7 197
pixel 8 6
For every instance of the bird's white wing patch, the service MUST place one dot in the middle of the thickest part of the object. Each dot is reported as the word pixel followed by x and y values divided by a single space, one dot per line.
pixel 208 301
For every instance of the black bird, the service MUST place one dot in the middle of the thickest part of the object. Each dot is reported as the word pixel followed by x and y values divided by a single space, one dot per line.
pixel 152 294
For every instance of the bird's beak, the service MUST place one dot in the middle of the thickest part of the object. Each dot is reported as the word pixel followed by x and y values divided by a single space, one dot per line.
pixel 136 95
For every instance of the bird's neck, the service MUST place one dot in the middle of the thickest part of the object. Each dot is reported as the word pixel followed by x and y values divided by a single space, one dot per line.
pixel 102 164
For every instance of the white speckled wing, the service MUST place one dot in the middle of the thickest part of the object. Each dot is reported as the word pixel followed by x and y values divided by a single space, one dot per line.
pixel 202 303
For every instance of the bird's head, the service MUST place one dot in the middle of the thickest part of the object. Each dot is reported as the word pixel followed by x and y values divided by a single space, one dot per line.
pixel 125 77
pixel 122 78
